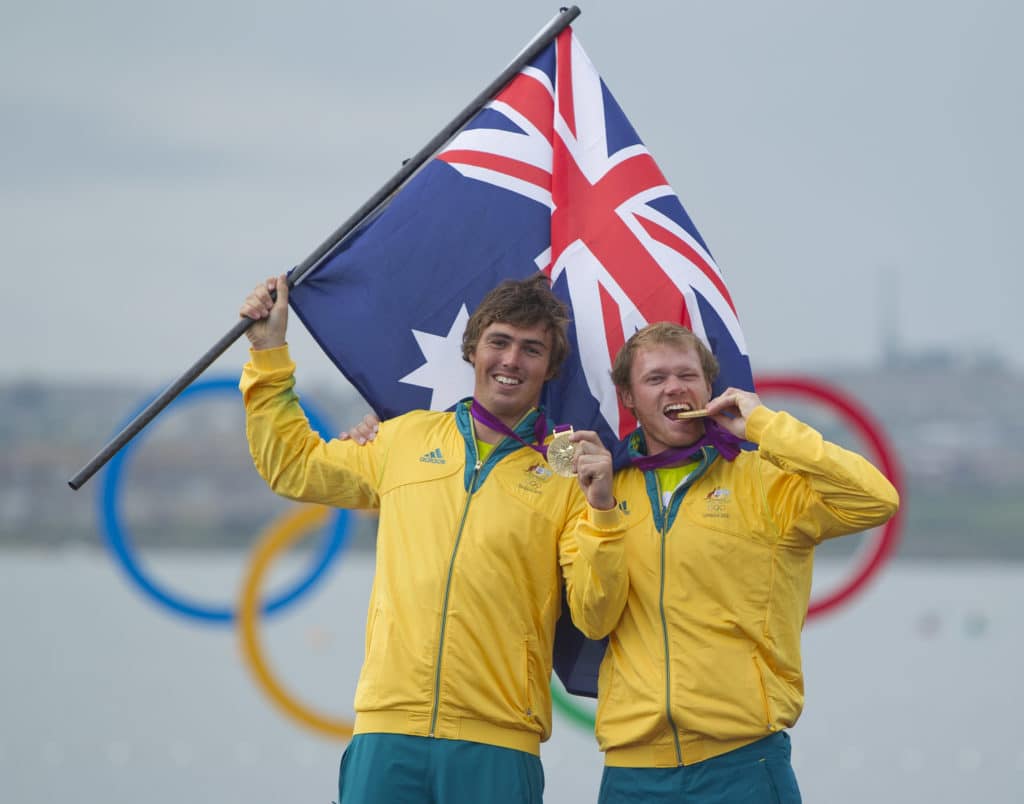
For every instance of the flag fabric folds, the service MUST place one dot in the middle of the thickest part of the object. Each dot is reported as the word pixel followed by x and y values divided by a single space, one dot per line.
pixel 549 176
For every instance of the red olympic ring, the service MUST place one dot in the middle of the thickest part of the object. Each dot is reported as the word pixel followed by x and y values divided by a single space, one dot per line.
pixel 882 547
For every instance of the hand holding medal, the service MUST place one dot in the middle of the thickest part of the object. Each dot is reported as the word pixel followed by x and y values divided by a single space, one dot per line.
pixel 582 454
pixel 569 453
pixel 731 408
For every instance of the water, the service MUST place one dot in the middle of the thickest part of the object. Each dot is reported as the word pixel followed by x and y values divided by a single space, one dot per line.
pixel 913 690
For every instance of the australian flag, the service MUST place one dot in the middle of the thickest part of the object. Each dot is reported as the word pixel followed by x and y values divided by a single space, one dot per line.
pixel 550 176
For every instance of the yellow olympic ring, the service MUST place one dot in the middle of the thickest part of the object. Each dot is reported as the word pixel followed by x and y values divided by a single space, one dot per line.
pixel 278 536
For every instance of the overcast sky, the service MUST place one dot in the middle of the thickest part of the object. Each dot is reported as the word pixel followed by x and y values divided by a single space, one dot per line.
pixel 158 159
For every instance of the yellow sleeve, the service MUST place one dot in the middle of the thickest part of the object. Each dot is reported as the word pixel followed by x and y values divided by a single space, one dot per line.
pixel 822 490
pixel 593 559
pixel 292 457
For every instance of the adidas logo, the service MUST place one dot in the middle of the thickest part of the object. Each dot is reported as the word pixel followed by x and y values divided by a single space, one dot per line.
pixel 434 456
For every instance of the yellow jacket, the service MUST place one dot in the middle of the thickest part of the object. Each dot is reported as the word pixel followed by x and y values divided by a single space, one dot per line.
pixel 467 588
pixel 706 655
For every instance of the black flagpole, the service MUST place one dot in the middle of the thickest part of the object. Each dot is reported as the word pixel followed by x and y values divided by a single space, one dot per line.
pixel 409 167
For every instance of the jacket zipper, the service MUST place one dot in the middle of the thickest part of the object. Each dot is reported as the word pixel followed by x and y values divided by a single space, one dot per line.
pixel 451 567
pixel 664 628
pixel 447 590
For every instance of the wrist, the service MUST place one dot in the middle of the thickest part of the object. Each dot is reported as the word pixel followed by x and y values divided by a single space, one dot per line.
pixel 603 503
pixel 261 344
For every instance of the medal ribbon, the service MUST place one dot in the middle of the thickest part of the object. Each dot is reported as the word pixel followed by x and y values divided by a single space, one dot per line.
pixel 715 435
pixel 540 427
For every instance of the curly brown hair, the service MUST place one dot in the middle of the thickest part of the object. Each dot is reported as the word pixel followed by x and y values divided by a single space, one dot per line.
pixel 522 303
pixel 662 332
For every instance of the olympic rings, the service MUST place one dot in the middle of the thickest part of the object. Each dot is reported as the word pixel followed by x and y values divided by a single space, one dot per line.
pixel 285 531
pixel 567 704
pixel 276 538
pixel 883 548
pixel 118 541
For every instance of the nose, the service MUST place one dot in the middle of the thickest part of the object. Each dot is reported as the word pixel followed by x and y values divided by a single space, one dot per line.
pixel 510 355
pixel 673 385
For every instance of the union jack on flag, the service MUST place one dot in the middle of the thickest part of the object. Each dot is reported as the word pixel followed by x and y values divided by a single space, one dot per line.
pixel 549 176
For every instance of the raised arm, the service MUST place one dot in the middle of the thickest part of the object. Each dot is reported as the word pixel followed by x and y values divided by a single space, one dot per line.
pixel 821 489
pixel 294 460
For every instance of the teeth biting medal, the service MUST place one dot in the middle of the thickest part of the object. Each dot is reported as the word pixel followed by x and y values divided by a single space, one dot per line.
pixel 689 414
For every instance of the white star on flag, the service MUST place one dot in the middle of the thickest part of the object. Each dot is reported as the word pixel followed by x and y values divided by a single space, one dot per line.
pixel 445 373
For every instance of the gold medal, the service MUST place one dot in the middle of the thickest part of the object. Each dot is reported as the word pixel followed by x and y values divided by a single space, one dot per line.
pixel 689 414
pixel 561 451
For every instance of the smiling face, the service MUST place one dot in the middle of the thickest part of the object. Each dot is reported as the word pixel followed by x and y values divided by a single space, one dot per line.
pixel 510 365
pixel 665 378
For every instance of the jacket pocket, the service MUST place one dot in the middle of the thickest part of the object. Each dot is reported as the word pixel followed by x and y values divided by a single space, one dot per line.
pixel 606 683
pixel 529 679
pixel 377 633
pixel 762 685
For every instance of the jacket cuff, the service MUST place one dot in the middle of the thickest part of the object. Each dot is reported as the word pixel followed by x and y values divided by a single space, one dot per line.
pixel 757 422
pixel 273 359
pixel 610 520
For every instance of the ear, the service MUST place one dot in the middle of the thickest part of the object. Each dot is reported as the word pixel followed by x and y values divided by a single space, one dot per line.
pixel 627 397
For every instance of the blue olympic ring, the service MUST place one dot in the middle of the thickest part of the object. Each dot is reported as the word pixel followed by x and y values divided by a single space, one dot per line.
pixel 116 534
